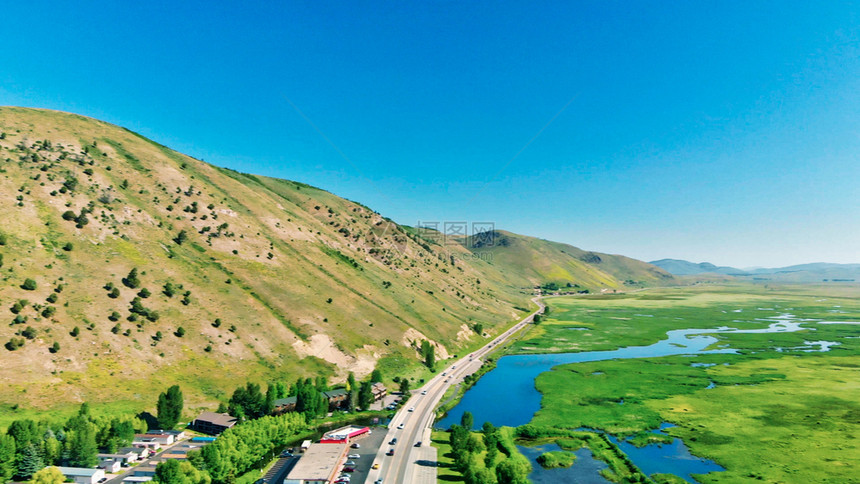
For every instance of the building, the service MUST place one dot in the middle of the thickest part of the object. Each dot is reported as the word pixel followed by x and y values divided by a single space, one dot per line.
pixel 213 423
pixel 137 479
pixel 344 434
pixel 148 471
pixel 124 458
pixel 81 475
pixel 110 466
pixel 135 453
pixel 161 439
pixel 379 391
pixel 283 405
pixel 320 464
pixel 337 398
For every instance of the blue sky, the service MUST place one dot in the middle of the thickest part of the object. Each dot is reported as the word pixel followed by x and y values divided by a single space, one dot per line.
pixel 719 131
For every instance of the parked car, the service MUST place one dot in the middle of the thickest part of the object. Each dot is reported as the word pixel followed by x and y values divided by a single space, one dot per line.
pixel 355 446
pixel 353 456
pixel 349 469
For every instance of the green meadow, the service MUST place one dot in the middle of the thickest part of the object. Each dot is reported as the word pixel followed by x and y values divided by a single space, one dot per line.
pixel 772 411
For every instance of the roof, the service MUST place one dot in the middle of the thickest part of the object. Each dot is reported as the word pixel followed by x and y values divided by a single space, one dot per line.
pixel 337 392
pixel 79 471
pixel 319 462
pixel 222 419
pixel 285 401
pixel 133 450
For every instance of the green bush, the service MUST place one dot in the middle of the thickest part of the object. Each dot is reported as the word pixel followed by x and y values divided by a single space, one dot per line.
pixel 14 343
pixel 29 285
pixel 55 347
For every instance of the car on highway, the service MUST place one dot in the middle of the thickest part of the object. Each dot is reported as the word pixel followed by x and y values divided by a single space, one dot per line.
pixel 411 409
pixel 444 373
pixel 424 392
pixel 378 481
pixel 393 441
pixel 418 444
pixel 390 452
pixel 400 427
pixel 375 465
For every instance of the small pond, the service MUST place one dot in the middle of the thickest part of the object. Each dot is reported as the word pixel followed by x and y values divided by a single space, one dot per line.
pixel 585 469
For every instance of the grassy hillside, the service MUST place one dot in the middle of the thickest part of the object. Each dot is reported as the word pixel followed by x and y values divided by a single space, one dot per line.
pixel 529 261
pixel 266 278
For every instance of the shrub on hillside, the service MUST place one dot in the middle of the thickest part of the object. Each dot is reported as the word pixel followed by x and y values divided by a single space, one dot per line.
pixel 131 280
pixel 14 343
pixel 29 285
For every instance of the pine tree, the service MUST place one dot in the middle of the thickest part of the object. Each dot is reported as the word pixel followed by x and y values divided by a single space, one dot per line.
pixel 131 280
pixel 365 395
pixel 82 446
pixel 467 420
pixel 376 376
pixel 7 457
pixel 170 405
pixel 29 462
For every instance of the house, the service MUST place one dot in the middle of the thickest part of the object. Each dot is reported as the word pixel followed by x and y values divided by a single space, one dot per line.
pixel 148 471
pixel 213 423
pixel 135 453
pixel 123 458
pixel 161 439
pixel 283 405
pixel 379 391
pixel 336 398
pixel 81 475
pixel 177 434
pixel 110 466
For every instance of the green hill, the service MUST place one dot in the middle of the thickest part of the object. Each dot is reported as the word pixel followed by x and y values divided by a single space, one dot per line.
pixel 266 278
pixel 529 261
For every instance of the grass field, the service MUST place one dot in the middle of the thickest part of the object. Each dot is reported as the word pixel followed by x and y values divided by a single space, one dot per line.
pixel 776 416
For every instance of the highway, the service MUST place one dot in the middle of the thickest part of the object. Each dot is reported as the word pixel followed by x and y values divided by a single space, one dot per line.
pixel 411 464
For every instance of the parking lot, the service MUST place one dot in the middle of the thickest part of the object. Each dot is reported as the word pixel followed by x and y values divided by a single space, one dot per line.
pixel 369 446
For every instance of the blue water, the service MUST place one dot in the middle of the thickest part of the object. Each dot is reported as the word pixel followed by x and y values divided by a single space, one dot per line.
pixel 507 394
pixel 585 469
pixel 674 458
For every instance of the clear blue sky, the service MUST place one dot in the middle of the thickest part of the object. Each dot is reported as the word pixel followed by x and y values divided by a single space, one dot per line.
pixel 720 131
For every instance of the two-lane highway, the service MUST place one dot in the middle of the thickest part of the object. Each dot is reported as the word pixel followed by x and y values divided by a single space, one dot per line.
pixel 411 463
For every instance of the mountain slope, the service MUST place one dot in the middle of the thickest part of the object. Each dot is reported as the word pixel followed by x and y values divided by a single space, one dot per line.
pixel 684 268
pixel 266 278
pixel 801 273
pixel 529 261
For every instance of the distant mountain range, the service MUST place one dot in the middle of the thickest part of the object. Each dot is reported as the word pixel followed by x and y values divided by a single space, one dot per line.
pixel 813 272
